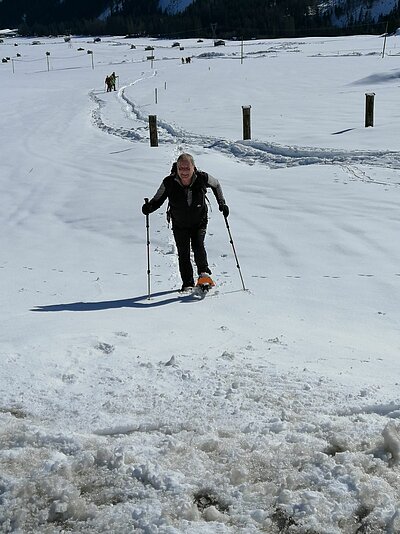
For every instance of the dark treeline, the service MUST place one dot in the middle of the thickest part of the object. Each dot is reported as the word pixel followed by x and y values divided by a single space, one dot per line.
pixel 204 18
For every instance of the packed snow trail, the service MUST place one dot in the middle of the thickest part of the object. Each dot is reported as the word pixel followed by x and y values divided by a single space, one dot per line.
pixel 271 155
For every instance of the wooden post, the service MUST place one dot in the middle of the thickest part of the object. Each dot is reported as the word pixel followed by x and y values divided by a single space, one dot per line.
pixel 153 130
pixel 246 122
pixel 156 95
pixel 47 59
pixel 369 109
pixel 90 52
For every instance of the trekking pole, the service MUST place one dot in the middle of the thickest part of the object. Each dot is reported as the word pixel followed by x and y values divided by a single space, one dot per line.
pixel 148 250
pixel 234 252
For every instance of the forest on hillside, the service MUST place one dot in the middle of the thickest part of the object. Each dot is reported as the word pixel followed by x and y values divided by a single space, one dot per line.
pixel 204 18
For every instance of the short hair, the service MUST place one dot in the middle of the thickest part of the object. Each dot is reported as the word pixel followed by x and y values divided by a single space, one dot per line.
pixel 187 157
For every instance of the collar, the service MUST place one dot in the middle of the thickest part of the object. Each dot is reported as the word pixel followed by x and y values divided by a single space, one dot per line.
pixel 194 178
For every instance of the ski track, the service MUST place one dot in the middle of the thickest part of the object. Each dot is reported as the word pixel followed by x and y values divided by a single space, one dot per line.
pixel 272 155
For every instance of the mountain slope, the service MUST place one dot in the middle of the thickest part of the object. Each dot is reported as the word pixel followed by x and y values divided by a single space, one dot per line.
pixel 195 18
pixel 174 6
pixel 349 12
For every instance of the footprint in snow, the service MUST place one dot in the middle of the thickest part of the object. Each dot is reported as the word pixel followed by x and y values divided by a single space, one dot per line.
pixel 106 348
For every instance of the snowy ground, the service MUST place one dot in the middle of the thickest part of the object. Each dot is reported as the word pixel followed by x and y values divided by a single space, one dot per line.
pixel 268 410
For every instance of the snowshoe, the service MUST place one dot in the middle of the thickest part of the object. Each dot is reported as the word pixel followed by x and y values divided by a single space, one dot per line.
pixel 186 288
pixel 205 282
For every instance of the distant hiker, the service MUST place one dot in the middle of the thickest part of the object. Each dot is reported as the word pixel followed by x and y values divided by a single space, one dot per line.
pixel 108 83
pixel 185 188
pixel 183 61
pixel 113 79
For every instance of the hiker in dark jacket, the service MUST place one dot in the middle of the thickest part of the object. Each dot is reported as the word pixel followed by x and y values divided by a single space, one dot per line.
pixel 108 83
pixel 113 80
pixel 185 188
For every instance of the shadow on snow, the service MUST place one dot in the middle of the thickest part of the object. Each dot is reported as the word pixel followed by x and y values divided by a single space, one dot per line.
pixel 136 302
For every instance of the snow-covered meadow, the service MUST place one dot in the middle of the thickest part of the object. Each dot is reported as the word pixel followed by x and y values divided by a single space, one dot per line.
pixel 274 409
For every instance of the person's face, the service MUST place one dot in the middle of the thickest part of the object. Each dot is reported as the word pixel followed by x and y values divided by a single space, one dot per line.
pixel 185 171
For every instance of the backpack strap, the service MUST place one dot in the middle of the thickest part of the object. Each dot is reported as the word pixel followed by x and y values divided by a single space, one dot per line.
pixel 168 214
pixel 204 178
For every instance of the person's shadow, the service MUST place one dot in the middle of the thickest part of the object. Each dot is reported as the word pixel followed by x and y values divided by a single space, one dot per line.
pixel 134 302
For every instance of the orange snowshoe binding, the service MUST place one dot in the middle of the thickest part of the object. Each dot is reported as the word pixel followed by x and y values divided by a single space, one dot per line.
pixel 205 282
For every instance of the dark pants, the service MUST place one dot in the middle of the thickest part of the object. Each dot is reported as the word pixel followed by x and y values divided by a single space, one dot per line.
pixel 194 237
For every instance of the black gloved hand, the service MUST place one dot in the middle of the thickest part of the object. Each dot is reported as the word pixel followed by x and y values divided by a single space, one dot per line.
pixel 225 209
pixel 146 208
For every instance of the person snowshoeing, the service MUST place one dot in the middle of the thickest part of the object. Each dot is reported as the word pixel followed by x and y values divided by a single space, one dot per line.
pixel 185 188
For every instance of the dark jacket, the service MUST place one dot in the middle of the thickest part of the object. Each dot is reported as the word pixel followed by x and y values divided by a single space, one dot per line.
pixel 187 205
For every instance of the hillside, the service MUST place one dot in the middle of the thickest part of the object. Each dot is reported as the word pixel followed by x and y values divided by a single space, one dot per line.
pixel 174 6
pixel 187 18
pixel 274 409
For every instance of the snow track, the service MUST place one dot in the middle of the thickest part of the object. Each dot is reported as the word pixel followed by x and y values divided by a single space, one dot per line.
pixel 271 155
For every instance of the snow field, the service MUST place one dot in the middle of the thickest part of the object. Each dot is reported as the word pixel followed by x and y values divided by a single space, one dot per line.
pixel 271 410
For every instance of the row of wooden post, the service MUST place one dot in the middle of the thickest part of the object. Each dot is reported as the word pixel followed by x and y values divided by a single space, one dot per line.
pixel 90 52
pixel 369 120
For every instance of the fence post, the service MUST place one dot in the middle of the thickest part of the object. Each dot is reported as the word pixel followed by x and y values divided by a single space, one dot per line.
pixel 90 52
pixel 384 41
pixel 153 130
pixel 369 109
pixel 246 122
